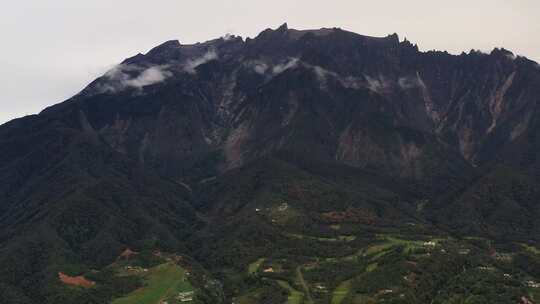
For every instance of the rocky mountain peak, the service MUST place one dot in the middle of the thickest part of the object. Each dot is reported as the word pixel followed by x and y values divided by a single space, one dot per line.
pixel 324 139
pixel 230 88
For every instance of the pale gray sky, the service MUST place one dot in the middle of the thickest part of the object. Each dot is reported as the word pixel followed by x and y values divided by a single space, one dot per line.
pixel 51 49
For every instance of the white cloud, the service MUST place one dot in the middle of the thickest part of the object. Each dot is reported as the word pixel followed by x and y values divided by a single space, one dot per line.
pixel 120 78
pixel 263 68
pixel 258 66
pixel 191 64
pixel 376 85
pixel 352 82
pixel 227 37
pixel 408 82
pixel 322 73
pixel 280 68
pixel 118 72
pixel 149 76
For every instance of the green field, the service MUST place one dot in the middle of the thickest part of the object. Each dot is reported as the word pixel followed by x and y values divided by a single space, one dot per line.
pixel 253 267
pixel 341 292
pixel 371 267
pixel 531 249
pixel 380 270
pixel 295 297
pixel 341 238
pixel 392 241
pixel 408 244
pixel 163 282
pixel 377 249
pixel 302 281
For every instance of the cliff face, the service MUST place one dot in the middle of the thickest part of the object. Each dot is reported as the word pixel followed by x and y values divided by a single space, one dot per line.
pixel 192 112
pixel 368 126
pixel 337 95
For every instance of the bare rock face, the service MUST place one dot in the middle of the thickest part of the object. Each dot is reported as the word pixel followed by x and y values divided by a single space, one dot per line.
pixel 337 95
pixel 126 162
pixel 191 112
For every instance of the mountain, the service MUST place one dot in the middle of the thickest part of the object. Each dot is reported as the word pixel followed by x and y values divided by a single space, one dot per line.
pixel 235 150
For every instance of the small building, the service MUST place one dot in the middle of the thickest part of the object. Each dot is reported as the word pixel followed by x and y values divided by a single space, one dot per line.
pixel 464 251
pixel 532 284
pixel 186 296
pixel 321 288
pixel 504 257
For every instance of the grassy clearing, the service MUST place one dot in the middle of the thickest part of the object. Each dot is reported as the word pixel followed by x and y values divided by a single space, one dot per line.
pixel 348 258
pixel 379 255
pixel 283 216
pixel 162 282
pixel 341 238
pixel 409 245
pixel 250 298
pixel 341 292
pixel 371 267
pixel 531 249
pixel 377 249
pixel 253 267
pixel 300 278
pixel 295 297
pixel 391 241
pixel 385 244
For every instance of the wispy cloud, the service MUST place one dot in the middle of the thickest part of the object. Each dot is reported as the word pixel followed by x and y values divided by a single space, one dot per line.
pixel 322 73
pixel 263 68
pixel 280 68
pixel 121 77
pixel 227 37
pixel 258 66
pixel 410 82
pixel 351 82
pixel 149 76
pixel 191 65
pixel 377 84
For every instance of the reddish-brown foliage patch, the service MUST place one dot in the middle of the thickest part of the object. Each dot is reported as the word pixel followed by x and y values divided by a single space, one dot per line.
pixel 75 281
pixel 296 193
pixel 351 215
pixel 412 263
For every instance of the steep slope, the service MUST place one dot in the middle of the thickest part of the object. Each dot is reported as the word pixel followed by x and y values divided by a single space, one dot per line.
pixel 334 91
pixel 176 148
pixel 67 198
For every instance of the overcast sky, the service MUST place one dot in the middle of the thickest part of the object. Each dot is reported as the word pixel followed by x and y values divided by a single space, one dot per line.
pixel 51 49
